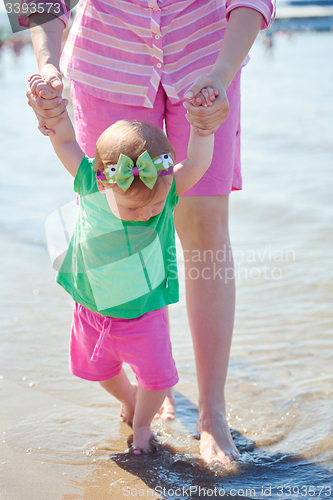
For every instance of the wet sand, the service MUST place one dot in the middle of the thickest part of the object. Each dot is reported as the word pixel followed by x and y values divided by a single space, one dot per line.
pixel 21 477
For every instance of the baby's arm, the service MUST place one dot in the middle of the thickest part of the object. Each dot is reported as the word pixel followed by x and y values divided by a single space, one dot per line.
pixel 199 157
pixel 63 140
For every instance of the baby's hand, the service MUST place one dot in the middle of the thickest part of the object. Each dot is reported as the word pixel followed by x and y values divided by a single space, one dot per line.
pixel 45 99
pixel 40 87
pixel 205 97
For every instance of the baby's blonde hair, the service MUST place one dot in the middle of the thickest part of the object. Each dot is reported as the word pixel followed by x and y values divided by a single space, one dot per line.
pixel 132 138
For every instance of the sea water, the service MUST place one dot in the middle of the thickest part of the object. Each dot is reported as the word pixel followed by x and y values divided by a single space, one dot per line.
pixel 279 388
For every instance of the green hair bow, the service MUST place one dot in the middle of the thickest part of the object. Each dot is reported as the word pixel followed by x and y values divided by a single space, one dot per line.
pixel 144 168
pixel 147 169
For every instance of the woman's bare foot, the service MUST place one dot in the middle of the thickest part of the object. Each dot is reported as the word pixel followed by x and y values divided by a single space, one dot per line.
pixel 143 440
pixel 127 408
pixel 168 408
pixel 216 443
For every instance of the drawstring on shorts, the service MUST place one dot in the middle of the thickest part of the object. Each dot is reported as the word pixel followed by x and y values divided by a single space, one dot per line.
pixel 98 349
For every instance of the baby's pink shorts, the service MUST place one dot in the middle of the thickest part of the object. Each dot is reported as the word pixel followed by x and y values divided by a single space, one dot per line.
pixel 100 344
pixel 93 116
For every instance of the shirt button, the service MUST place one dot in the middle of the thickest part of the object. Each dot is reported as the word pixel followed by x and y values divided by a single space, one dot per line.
pixel 157 37
pixel 159 65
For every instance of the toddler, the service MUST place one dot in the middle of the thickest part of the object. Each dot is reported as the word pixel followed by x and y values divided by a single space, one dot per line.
pixel 120 265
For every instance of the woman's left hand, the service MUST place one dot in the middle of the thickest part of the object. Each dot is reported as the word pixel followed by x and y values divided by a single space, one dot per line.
pixel 206 120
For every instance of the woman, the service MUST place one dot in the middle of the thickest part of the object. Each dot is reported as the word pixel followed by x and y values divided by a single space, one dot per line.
pixel 137 59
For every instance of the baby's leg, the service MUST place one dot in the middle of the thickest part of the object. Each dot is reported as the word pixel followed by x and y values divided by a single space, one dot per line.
pixel 168 408
pixel 121 388
pixel 147 404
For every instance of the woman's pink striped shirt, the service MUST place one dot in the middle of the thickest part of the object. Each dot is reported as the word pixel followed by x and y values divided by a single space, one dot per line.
pixel 121 50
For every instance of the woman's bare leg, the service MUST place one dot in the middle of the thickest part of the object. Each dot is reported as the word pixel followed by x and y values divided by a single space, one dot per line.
pixel 202 226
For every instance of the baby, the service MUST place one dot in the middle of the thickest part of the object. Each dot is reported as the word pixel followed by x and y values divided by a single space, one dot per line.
pixel 120 265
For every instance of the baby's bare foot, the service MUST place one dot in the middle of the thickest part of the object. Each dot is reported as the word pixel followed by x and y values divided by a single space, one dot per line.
pixel 143 440
pixel 168 408
pixel 216 444
pixel 127 408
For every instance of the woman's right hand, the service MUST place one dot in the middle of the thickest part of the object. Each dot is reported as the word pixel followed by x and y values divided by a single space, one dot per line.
pixel 206 119
pixel 46 99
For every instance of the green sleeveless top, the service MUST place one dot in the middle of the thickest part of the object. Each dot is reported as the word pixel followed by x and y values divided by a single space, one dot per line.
pixel 117 268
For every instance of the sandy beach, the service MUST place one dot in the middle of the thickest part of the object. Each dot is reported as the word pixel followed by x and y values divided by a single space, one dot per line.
pixel 21 477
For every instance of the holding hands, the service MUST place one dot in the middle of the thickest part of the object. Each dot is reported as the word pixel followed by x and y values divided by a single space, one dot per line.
pixel 45 97
pixel 206 119
pixel 207 104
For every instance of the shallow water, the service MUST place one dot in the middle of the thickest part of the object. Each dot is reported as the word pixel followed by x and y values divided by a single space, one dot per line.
pixel 280 377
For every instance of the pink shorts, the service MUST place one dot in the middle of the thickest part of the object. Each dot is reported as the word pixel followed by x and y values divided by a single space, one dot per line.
pixel 100 344
pixel 93 116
